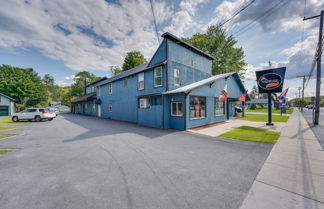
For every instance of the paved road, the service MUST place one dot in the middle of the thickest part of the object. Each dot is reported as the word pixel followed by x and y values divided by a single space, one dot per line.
pixel 319 129
pixel 84 162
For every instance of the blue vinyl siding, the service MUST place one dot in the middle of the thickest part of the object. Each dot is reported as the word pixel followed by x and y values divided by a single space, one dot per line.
pixel 182 58
pixel 124 100
pixel 174 122
pixel 192 66
pixel 211 93
pixel 160 55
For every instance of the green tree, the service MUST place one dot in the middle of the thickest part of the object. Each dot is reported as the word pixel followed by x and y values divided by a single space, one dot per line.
pixel 24 85
pixel 77 88
pixel 221 46
pixel 133 59
pixel 254 92
pixel 115 70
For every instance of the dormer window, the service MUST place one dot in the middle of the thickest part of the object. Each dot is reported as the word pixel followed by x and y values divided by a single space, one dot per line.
pixel 176 77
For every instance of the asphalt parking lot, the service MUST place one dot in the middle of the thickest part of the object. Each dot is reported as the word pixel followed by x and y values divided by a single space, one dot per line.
pixel 81 162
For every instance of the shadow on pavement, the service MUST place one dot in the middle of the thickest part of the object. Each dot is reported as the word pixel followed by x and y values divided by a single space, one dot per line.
pixel 102 126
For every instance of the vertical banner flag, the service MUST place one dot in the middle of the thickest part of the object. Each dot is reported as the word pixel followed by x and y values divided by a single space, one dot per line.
pixel 224 92
pixel 242 98
pixel 282 97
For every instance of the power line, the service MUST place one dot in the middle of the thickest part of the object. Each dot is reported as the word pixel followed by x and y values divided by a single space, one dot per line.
pixel 238 12
pixel 247 27
pixel 154 21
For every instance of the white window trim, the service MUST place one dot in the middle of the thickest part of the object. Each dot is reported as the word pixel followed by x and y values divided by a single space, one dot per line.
pixel 147 105
pixel 176 115
pixel 138 81
pixel 110 90
pixel 224 109
pixel 154 77
pixel 175 76
pixel 110 107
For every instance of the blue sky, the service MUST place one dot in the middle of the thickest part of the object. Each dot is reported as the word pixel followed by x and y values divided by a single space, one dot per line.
pixel 63 37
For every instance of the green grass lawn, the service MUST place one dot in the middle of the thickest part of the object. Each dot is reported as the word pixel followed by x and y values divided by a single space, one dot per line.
pixel 2 136
pixel 6 121
pixel 289 111
pixel 264 118
pixel 252 134
pixel 5 151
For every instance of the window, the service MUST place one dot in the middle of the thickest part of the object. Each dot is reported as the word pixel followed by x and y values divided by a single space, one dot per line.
pixel 176 77
pixel 31 110
pixel 110 88
pixel 144 103
pixel 140 84
pixel 98 91
pixel 110 107
pixel 125 82
pixel 88 90
pixel 219 107
pixel 158 76
pixel 176 109
pixel 197 107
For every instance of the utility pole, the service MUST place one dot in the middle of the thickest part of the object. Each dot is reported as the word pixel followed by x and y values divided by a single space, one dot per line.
pixel 318 73
pixel 304 80
pixel 299 97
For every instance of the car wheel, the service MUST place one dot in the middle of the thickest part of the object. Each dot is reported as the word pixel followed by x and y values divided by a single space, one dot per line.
pixel 15 119
pixel 50 119
pixel 38 118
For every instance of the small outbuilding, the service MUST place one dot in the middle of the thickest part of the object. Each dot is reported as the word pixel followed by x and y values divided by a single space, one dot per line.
pixel 7 105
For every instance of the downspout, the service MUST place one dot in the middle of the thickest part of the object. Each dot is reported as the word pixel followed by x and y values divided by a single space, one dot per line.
pixel 167 65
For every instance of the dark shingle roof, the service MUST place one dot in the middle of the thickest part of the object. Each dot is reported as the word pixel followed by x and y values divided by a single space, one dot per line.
pixel 97 81
pixel 84 98
pixel 8 97
pixel 186 45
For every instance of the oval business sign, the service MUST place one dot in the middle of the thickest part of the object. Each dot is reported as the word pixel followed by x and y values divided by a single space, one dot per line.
pixel 270 81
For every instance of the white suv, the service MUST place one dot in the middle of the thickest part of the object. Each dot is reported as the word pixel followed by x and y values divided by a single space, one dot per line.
pixel 37 114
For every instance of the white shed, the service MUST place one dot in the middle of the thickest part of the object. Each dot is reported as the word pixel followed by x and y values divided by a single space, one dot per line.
pixel 7 105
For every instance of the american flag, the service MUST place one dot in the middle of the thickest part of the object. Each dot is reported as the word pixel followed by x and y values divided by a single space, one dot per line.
pixel 282 97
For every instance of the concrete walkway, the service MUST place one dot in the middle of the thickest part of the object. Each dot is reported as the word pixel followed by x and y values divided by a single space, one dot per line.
pixel 218 129
pixel 293 174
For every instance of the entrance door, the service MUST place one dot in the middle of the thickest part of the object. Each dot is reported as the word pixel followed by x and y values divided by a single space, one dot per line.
pixel 4 110
pixel 99 110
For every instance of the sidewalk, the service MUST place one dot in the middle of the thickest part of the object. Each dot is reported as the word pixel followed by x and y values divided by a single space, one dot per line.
pixel 293 175
pixel 220 128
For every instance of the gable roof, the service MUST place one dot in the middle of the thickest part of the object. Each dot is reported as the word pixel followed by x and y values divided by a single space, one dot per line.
pixel 187 88
pixel 8 97
pixel 175 39
pixel 97 81
pixel 146 66
pixel 132 71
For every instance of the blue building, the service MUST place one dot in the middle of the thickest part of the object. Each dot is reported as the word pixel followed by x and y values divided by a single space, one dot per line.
pixel 175 89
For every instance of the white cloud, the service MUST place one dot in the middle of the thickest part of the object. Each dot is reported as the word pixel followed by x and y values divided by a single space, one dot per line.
pixel 55 28
pixel 67 81
pixel 183 20
pixel 286 15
